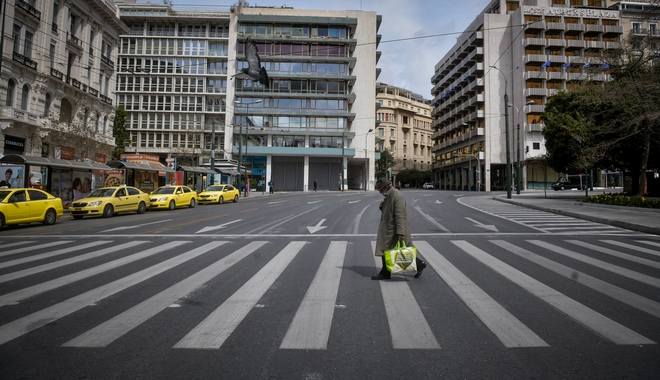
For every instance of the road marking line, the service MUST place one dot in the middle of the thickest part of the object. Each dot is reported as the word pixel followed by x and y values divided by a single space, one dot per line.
pixel 216 328
pixel 42 256
pixel 50 314
pixel 311 325
pixel 635 248
pixel 408 327
pixel 111 330
pixel 506 327
pixel 589 318
pixel 621 255
pixel 33 247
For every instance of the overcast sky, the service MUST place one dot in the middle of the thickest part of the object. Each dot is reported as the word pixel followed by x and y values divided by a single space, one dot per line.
pixel 409 63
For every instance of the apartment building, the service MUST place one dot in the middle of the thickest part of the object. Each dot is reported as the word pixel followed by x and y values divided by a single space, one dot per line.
pixel 525 53
pixel 403 127
pixel 58 79
pixel 312 120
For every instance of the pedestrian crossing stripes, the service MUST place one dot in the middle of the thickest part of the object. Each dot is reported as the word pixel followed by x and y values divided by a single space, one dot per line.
pixel 311 326
pixel 542 221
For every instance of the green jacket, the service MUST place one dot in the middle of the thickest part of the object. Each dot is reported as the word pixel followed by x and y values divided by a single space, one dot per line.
pixel 393 222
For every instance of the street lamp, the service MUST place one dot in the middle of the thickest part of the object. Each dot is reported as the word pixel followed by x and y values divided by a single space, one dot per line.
pixel 518 172
pixel 470 157
pixel 506 127
pixel 366 159
pixel 212 150
pixel 240 140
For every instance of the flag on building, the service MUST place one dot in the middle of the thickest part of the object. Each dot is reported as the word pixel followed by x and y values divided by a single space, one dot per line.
pixel 547 64
pixel 587 65
pixel 605 66
pixel 566 66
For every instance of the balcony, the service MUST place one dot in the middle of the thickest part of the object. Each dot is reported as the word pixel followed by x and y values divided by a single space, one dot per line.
pixel 53 28
pixel 93 91
pixel 611 29
pixel 107 61
pixel 105 99
pixel 575 44
pixel 56 73
pixel 594 28
pixel 24 60
pixel 574 27
pixel 29 9
pixel 74 43
pixel 17 114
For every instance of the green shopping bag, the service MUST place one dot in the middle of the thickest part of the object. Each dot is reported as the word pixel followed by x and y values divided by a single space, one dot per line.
pixel 401 258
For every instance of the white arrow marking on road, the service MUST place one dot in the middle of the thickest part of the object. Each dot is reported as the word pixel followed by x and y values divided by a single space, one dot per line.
pixel 438 202
pixel 353 201
pixel 139 225
pixel 316 228
pixel 211 228
pixel 486 226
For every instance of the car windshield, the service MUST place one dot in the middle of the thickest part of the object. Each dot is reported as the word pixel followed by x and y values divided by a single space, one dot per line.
pixel 4 194
pixel 164 190
pixel 100 193
pixel 214 188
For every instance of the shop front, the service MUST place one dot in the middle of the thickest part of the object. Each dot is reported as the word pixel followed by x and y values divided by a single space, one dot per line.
pixel 145 177
pixel 195 176
pixel 67 180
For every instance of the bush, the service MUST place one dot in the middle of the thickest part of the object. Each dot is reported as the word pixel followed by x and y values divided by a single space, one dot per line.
pixel 624 200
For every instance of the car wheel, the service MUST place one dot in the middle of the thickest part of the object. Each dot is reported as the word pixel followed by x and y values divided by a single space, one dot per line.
pixel 172 205
pixel 192 203
pixel 2 221
pixel 50 218
pixel 142 208
pixel 221 199
pixel 77 217
pixel 561 188
pixel 108 211
pixel 235 198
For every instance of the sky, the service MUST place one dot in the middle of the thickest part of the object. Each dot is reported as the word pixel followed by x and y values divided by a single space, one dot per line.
pixel 428 30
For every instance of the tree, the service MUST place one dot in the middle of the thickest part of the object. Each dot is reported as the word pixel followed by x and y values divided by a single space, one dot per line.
pixel 414 177
pixel 81 132
pixel 385 161
pixel 120 133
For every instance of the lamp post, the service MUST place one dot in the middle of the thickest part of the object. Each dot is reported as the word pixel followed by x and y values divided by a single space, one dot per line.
pixel 518 172
pixel 341 175
pixel 212 151
pixel 506 127
pixel 366 159
pixel 240 140
pixel 454 155
pixel 469 157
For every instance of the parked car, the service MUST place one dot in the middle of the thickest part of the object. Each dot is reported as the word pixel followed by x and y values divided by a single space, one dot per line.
pixel 571 182
pixel 24 205
pixel 171 197
pixel 108 201
pixel 427 186
pixel 219 194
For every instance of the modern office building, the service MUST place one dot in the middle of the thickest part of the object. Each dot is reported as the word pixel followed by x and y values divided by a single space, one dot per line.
pixel 525 51
pixel 313 119
pixel 58 79
pixel 404 127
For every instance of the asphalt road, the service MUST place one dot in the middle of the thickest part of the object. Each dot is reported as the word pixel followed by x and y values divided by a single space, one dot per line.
pixel 278 287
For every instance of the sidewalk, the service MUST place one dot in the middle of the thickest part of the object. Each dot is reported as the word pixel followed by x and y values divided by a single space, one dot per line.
pixel 569 203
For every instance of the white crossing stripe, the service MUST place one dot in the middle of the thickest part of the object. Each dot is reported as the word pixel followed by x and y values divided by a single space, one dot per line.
pixel 12 298
pixel 408 327
pixel 310 328
pixel 630 246
pixel 649 280
pixel 506 327
pixel 621 255
pixel 216 328
pixel 32 248
pixel 106 333
pixel 61 263
pixel 42 256
pixel 598 285
pixel 6 245
pixel 600 324
pixel 50 314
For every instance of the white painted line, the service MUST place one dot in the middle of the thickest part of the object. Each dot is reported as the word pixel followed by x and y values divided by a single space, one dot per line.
pixel 431 219
pixel 408 327
pixel 106 333
pixel 598 285
pixel 506 327
pixel 621 255
pixel 311 325
pixel 71 260
pixel 33 247
pixel 6 245
pixel 635 248
pixel 42 256
pixel 592 320
pixel 649 280
pixel 212 332
pixel 137 225
pixel 212 228
pixel 50 314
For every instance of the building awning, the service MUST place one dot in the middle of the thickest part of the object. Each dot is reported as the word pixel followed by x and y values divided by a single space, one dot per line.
pixel 18 159
pixel 133 165
pixel 196 169
pixel 228 171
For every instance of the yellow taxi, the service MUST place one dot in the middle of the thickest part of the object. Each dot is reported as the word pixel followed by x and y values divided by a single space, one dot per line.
pixel 24 205
pixel 108 201
pixel 171 197
pixel 219 194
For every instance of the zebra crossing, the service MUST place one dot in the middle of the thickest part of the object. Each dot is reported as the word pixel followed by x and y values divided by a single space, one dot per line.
pixel 542 221
pixel 26 275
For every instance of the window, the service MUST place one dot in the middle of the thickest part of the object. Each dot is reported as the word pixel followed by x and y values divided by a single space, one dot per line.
pixel 11 88
pixel 27 44
pixel 17 38
pixel 536 146
pixel 636 27
pixel 52 56
pixel 47 105
pixel 25 96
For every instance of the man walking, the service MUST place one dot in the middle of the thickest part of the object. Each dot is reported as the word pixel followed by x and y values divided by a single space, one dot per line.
pixel 314 185
pixel 393 226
